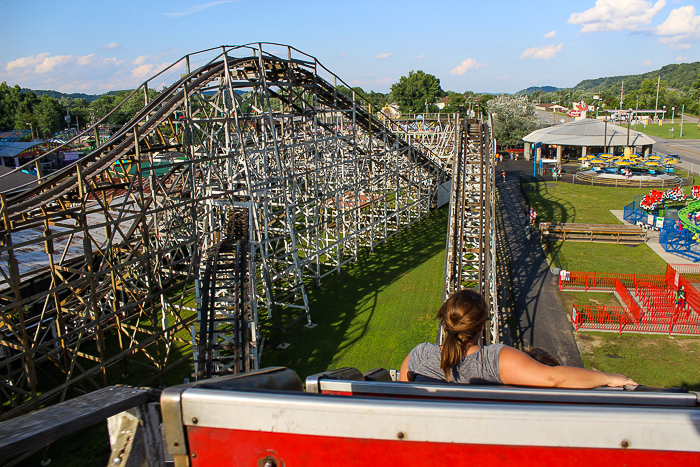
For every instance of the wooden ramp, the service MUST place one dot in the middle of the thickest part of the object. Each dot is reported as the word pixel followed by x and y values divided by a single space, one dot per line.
pixel 596 233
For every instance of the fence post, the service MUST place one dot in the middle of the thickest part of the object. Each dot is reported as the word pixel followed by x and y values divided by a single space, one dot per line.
pixel 620 324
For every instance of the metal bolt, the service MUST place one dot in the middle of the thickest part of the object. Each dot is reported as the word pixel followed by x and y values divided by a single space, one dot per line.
pixel 625 444
pixel 400 435
pixel 117 460
pixel 194 455
pixel 194 420
pixel 270 463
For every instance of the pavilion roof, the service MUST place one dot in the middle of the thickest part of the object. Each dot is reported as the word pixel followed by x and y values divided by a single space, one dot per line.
pixel 588 132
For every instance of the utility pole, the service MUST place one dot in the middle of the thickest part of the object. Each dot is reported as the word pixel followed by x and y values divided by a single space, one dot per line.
pixel 682 113
pixel 629 122
pixel 622 93
pixel 606 136
pixel 658 83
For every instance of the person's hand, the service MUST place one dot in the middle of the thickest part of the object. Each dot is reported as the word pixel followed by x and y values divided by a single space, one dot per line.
pixel 617 380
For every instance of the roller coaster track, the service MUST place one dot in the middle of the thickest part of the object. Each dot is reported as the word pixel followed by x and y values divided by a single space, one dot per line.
pixel 199 223
pixel 470 259
pixel 224 340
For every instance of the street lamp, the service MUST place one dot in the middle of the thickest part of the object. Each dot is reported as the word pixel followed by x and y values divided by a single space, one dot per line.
pixel 31 129
pixel 673 115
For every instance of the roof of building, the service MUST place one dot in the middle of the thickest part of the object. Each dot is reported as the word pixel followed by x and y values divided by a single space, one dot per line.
pixel 15 147
pixel 588 132
pixel 18 181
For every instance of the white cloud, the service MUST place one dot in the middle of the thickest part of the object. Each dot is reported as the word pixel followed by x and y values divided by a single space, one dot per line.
pixel 95 60
pixel 196 9
pixel 383 81
pixel 645 63
pixel 420 57
pixel 550 34
pixel 385 55
pixel 681 58
pixel 50 63
pixel 467 65
pixel 85 60
pixel 360 83
pixel 111 46
pixel 147 70
pixel 141 59
pixel 25 62
pixel 616 15
pixel 681 27
pixel 342 54
pixel 546 52
pixel 504 77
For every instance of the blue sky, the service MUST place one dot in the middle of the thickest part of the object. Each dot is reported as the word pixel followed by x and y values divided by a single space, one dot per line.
pixel 482 46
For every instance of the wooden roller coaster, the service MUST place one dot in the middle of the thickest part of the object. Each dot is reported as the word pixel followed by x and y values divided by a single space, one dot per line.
pixel 203 219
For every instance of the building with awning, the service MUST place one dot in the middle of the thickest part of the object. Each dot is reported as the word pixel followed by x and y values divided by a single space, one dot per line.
pixel 17 153
pixel 581 137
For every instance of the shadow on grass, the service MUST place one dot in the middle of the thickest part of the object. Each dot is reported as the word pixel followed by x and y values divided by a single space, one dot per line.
pixel 365 296
pixel 549 209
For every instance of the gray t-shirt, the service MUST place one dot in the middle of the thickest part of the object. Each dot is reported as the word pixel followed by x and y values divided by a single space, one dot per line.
pixel 481 367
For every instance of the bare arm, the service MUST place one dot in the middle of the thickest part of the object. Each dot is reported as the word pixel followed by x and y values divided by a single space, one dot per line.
pixel 517 368
pixel 405 376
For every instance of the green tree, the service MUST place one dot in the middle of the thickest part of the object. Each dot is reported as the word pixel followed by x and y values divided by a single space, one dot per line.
pixel 456 103
pixel 695 87
pixel 514 117
pixel 48 115
pixel 412 92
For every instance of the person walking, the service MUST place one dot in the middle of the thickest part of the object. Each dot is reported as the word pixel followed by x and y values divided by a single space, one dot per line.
pixel 503 174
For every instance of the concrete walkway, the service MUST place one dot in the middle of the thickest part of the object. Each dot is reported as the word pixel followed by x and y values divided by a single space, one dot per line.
pixel 540 316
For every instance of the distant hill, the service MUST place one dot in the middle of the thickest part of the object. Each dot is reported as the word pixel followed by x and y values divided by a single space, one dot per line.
pixel 534 89
pixel 58 95
pixel 679 76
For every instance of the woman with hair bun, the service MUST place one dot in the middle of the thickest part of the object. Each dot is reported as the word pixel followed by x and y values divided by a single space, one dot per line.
pixel 461 359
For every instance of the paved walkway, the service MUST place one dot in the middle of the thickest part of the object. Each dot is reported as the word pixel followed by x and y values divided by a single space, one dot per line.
pixel 541 319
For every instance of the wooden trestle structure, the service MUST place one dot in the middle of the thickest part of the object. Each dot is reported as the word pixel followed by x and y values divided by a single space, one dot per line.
pixel 204 217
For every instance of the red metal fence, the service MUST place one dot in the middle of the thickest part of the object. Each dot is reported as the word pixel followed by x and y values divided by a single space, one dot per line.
pixel 606 282
pixel 604 318
pixel 650 303
pixel 625 296
pixel 607 318
pixel 683 274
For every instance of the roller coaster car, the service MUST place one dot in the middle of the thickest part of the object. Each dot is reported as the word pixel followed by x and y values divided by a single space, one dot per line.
pixel 346 418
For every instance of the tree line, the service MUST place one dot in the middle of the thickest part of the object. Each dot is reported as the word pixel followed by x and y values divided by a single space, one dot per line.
pixel 46 115
pixel 677 85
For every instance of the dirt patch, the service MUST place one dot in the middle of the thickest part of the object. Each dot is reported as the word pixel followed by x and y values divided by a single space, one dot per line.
pixel 586 343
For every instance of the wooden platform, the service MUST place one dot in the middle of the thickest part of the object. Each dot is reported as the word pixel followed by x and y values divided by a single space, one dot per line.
pixel 596 233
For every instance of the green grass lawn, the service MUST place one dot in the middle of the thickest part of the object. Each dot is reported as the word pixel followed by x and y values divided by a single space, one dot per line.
pixel 376 311
pixel 583 204
pixel 604 257
pixel 651 360
pixel 690 130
